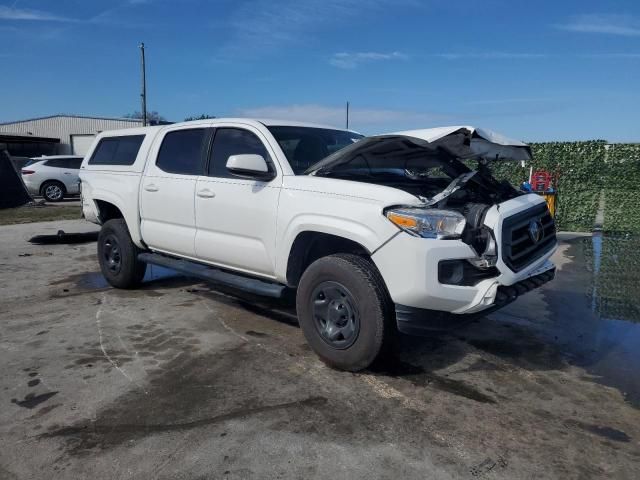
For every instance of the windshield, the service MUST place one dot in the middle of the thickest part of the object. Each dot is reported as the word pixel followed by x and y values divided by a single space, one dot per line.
pixel 305 146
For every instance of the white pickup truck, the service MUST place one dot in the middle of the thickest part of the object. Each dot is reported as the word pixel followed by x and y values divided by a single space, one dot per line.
pixel 375 235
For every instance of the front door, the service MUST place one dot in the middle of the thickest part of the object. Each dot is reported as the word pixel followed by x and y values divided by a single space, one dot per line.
pixel 236 217
pixel 167 192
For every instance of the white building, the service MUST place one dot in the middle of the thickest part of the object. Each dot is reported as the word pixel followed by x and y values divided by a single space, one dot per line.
pixel 56 134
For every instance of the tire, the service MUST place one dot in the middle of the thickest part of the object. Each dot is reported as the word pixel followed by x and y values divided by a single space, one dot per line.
pixel 345 288
pixel 53 191
pixel 118 255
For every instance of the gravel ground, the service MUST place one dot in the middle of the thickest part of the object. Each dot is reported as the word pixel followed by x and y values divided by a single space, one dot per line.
pixel 181 380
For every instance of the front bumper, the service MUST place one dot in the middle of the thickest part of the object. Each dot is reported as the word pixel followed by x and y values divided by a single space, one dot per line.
pixel 409 267
pixel 418 321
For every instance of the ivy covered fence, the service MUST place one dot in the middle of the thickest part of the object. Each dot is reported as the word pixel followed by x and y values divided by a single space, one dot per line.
pixel 587 171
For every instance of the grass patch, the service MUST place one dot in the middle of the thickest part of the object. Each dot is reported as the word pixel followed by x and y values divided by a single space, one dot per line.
pixel 47 213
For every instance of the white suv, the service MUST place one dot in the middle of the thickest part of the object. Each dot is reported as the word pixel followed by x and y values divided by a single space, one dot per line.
pixel 375 235
pixel 53 177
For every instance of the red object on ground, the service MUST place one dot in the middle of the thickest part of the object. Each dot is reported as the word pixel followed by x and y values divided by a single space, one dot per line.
pixel 541 181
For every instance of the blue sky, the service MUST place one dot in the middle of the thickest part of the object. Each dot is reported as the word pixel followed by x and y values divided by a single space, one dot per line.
pixel 543 70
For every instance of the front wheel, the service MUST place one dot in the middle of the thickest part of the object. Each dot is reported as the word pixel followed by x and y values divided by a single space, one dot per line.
pixel 345 311
pixel 118 255
pixel 53 191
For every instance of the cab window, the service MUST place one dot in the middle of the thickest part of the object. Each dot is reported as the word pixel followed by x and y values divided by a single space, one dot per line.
pixel 181 151
pixel 234 141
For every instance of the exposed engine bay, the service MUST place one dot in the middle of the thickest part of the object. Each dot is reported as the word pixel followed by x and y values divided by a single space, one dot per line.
pixel 435 172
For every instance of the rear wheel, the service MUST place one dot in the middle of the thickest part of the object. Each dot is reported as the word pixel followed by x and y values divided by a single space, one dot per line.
pixel 118 255
pixel 345 311
pixel 53 191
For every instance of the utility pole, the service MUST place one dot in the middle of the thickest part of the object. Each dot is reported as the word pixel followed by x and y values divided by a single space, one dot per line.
pixel 347 115
pixel 143 95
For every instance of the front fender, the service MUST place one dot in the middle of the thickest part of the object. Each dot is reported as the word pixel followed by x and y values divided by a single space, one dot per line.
pixel 370 237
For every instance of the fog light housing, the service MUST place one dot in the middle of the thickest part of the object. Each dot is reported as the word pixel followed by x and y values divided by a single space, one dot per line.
pixel 451 272
pixel 463 273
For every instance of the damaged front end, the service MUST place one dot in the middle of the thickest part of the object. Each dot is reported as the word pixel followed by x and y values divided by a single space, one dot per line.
pixel 433 165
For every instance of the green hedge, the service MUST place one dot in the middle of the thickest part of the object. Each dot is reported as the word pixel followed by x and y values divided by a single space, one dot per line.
pixel 585 170
pixel 622 180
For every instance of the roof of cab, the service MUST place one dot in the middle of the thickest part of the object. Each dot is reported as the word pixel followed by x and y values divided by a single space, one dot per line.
pixel 268 122
pixel 130 131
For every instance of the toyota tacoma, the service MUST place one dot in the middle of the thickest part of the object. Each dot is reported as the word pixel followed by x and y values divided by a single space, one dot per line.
pixel 375 235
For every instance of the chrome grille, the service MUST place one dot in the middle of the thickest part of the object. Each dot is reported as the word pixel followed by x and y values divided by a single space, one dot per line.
pixel 521 242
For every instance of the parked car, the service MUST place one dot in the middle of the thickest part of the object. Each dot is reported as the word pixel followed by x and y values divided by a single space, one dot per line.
pixel 54 177
pixel 375 235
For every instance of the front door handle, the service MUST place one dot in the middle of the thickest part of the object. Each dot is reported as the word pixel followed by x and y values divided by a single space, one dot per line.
pixel 151 188
pixel 206 193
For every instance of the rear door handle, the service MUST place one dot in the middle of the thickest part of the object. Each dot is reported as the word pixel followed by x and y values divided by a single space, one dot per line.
pixel 206 193
pixel 151 188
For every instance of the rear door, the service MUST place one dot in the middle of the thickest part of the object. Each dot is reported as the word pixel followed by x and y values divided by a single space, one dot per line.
pixel 167 190
pixel 70 171
pixel 236 217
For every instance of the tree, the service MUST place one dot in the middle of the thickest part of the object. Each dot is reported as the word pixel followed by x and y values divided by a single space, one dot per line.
pixel 204 116
pixel 153 118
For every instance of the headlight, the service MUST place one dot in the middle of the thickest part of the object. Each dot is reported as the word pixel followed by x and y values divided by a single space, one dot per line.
pixel 427 223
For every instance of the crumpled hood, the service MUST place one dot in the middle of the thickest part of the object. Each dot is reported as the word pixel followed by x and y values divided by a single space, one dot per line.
pixel 433 134
pixel 473 142
pixel 461 142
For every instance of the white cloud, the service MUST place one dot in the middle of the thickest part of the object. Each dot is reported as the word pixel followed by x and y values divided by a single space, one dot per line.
pixel 268 24
pixel 10 13
pixel 507 101
pixel 491 56
pixel 355 59
pixel 359 118
pixel 529 56
pixel 630 56
pixel 623 25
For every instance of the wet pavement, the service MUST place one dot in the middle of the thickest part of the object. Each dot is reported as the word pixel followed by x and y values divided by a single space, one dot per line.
pixel 601 330
pixel 181 380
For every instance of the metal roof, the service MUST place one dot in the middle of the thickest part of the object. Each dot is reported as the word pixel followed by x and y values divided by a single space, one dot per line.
pixel 66 115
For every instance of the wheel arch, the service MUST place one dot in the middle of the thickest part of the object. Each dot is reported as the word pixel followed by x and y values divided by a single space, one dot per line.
pixel 107 210
pixel 52 180
pixel 310 245
pixel 108 207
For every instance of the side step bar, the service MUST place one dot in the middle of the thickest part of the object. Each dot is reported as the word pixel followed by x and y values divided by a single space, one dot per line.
pixel 211 274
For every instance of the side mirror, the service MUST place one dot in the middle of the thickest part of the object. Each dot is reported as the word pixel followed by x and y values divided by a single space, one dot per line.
pixel 250 166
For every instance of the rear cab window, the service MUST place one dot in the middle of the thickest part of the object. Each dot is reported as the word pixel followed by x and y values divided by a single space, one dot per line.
pixel 121 150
